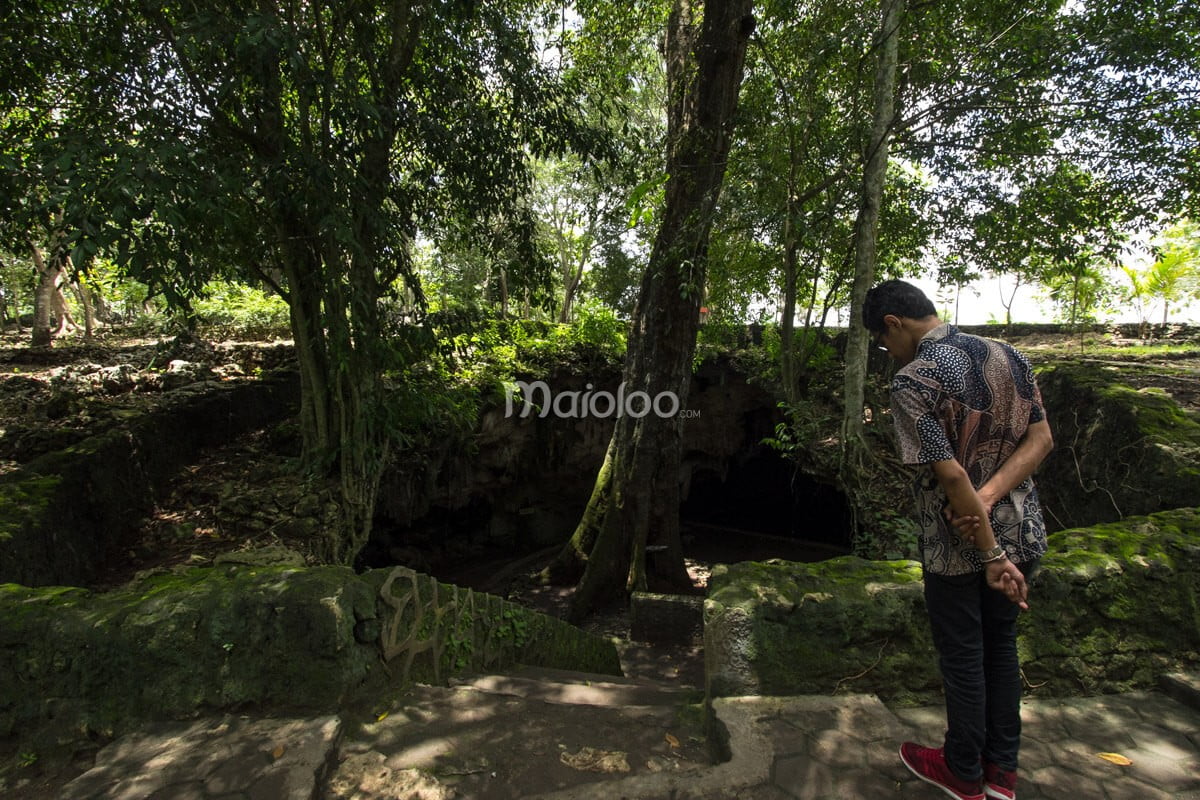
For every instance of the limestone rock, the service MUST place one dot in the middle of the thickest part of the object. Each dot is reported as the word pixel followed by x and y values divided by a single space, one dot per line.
pixel 1112 608
pixel 269 555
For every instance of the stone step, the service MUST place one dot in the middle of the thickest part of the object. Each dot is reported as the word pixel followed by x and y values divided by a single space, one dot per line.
pixel 463 741
pixel 1182 686
pixel 564 687
pixel 576 676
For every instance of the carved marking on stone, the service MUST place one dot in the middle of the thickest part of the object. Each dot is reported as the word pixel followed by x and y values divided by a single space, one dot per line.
pixel 410 644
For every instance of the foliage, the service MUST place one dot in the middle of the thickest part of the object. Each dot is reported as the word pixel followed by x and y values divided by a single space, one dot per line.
pixel 1173 276
pixel 789 192
pixel 1175 273
pixel 16 283
pixel 305 147
pixel 1058 230
pixel 1080 294
pixel 484 349
pixel 822 355
pixel 234 309
pixel 598 326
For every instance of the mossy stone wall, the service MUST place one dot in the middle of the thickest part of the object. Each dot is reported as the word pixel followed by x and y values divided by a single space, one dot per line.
pixel 1112 608
pixel 260 637
pixel 848 624
pixel 1116 605
pixel 1119 451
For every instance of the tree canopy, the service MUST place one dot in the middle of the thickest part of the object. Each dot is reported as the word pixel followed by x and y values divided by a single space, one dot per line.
pixel 364 161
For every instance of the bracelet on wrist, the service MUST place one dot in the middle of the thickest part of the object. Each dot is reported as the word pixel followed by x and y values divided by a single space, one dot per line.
pixel 993 553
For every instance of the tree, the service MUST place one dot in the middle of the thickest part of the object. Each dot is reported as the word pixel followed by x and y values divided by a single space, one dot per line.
pixel 16 285
pixel 306 146
pixel 1175 274
pixel 783 232
pixel 1135 293
pixel 583 214
pixel 50 270
pixel 1048 231
pixel 866 228
pixel 1079 289
pixel 635 501
pixel 31 209
pixel 1063 91
pixel 1001 107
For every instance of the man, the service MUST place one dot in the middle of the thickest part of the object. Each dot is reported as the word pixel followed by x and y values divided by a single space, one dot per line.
pixel 968 410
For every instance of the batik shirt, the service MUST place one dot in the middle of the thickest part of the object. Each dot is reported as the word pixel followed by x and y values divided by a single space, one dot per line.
pixel 970 399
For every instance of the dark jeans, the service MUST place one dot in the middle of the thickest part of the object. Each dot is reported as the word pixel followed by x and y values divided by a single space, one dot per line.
pixel 975 632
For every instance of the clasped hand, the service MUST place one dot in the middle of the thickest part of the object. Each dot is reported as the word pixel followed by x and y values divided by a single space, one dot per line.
pixel 1003 575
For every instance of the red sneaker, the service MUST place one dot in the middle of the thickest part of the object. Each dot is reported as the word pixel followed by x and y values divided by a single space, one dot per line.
pixel 998 783
pixel 929 764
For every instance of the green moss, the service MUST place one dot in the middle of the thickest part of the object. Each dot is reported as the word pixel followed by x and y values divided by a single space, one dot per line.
pixel 278 637
pixel 787 628
pixel 24 499
pixel 1155 412
pixel 787 584
pixel 1115 604
pixel 1113 607
pixel 1130 451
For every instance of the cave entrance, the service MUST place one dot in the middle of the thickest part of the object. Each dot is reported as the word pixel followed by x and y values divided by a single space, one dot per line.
pixel 763 508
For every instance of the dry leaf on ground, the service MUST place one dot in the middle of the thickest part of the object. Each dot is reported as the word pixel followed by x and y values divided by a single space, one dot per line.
pixel 1116 758
pixel 592 760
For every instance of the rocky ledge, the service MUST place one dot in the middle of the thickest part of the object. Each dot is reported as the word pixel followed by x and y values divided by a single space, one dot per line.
pixel 1113 607
pixel 256 636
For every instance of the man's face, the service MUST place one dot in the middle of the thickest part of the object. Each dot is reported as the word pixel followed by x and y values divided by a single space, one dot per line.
pixel 895 340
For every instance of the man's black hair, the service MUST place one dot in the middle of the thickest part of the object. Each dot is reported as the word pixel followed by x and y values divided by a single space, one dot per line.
pixel 894 297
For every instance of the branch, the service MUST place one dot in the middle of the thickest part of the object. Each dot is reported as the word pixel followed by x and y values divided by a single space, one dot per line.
pixel 231 119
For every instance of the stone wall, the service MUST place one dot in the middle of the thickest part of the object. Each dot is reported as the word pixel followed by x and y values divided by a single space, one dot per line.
pixel 1112 608
pixel 1119 451
pixel 847 624
pixel 276 638
pixel 1116 605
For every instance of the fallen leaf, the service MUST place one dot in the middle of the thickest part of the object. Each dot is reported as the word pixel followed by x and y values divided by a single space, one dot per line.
pixel 1116 758
pixel 593 760
pixel 277 752
pixel 671 740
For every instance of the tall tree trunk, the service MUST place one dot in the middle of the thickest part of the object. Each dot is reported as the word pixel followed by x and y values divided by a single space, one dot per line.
pixel 334 293
pixel 787 326
pixel 572 258
pixel 84 295
pixel 572 277
pixel 635 503
pixel 503 292
pixel 48 272
pixel 866 231
pixel 62 313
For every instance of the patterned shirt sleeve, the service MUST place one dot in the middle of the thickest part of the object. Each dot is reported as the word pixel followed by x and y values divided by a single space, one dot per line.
pixel 1026 385
pixel 919 432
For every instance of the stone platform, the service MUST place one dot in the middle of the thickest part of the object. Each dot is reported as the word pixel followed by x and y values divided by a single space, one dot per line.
pixel 779 748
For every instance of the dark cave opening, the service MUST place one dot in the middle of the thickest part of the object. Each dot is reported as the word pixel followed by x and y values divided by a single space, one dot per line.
pixel 765 508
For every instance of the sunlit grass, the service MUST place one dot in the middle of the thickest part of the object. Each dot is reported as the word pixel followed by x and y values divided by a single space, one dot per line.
pixel 1092 347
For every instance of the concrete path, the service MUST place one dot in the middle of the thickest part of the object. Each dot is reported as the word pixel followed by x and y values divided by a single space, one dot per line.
pixel 797 748
pixel 232 758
